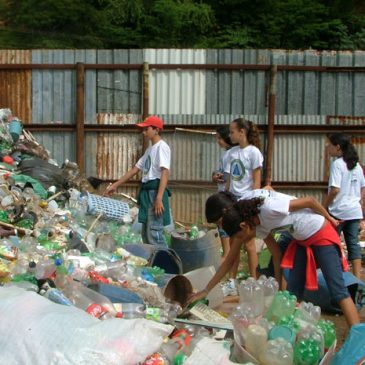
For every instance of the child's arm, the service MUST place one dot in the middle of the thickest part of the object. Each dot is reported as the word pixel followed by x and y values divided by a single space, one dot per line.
pixel 112 188
pixel 256 178
pixel 310 202
pixel 158 205
pixel 330 196
pixel 275 251
pixel 224 268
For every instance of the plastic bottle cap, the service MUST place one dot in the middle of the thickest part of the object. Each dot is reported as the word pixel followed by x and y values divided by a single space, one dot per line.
pixel 9 160
pixel 284 332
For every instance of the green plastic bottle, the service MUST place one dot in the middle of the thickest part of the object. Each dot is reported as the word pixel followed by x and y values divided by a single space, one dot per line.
pixel 329 332
pixel 307 352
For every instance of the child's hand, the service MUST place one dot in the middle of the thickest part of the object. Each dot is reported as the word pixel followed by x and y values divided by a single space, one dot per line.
pixel 218 177
pixel 335 222
pixel 158 207
pixel 197 296
pixel 110 190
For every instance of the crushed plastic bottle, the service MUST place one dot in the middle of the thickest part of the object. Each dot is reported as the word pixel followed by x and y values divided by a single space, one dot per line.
pixel 277 352
pixel 283 305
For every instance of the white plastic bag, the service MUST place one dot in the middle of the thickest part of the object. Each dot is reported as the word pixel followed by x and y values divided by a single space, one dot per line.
pixel 36 331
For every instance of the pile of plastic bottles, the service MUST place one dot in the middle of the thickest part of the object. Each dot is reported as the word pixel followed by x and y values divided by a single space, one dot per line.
pixel 275 330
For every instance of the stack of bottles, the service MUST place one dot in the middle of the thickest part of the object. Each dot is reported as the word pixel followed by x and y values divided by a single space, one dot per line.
pixel 275 329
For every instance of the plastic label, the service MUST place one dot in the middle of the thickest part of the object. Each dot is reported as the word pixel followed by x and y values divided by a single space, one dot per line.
pixel 96 310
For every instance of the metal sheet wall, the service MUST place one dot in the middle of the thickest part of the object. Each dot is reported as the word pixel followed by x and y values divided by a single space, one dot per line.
pixel 15 85
pixel 194 97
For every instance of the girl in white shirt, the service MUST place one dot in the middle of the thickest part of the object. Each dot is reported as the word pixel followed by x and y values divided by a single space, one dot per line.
pixel 315 243
pixel 219 177
pixel 244 169
pixel 346 189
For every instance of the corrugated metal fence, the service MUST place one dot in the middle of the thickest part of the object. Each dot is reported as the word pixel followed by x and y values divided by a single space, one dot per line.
pixel 82 104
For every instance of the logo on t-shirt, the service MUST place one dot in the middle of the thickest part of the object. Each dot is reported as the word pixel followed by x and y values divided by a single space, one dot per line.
pixel 237 170
pixel 147 165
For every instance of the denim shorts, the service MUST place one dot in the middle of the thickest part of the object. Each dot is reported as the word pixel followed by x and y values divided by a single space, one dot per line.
pixel 328 260
pixel 350 231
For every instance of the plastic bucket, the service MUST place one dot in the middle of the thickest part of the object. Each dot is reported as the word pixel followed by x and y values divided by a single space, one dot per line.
pixel 176 288
pixel 197 253
pixel 164 258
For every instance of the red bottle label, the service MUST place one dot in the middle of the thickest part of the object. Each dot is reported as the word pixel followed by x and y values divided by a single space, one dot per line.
pixel 96 310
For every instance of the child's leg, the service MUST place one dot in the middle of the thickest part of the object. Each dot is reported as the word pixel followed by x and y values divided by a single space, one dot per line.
pixel 253 260
pixel 296 279
pixel 351 234
pixel 327 258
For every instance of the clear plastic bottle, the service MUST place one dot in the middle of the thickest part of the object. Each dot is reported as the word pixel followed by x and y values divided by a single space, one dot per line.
pixel 112 270
pixel 44 269
pixel 252 293
pixel 256 339
pixel 270 287
pixel 90 301
pixel 277 352
pixel 307 312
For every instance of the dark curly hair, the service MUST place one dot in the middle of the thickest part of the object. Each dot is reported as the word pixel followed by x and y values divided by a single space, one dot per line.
pixel 242 211
pixel 349 153
pixel 253 135
pixel 216 204
pixel 223 132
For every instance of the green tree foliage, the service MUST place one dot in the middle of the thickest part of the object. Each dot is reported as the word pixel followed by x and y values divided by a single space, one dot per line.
pixel 291 24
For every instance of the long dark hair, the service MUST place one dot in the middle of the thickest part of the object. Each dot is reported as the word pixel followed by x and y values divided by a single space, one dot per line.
pixel 242 211
pixel 216 204
pixel 253 135
pixel 349 153
pixel 223 132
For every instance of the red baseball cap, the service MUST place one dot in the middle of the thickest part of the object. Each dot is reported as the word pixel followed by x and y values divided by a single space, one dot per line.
pixel 152 121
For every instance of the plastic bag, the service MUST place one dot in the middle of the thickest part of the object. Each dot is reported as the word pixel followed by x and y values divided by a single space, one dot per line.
pixel 35 330
pixel 353 350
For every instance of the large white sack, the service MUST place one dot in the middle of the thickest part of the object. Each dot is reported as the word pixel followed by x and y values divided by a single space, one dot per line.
pixel 36 331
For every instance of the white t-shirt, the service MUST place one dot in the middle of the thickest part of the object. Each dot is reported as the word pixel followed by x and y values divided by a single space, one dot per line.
pixel 156 156
pixel 242 162
pixel 275 217
pixel 346 204
pixel 223 165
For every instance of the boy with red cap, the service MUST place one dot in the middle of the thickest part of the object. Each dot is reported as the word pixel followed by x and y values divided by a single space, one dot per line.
pixel 154 210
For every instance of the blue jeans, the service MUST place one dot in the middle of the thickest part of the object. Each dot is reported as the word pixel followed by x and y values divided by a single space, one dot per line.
pixel 328 260
pixel 153 229
pixel 350 231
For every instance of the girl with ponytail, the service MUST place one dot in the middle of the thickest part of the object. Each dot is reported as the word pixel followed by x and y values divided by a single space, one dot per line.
pixel 244 171
pixel 346 190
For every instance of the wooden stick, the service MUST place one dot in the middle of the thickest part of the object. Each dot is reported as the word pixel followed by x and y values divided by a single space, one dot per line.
pixel 55 196
pixel 195 131
pixel 19 229
pixel 93 225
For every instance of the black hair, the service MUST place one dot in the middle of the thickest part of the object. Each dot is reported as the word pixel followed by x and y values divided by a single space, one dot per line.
pixel 223 132
pixel 216 204
pixel 253 135
pixel 242 211
pixel 349 153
